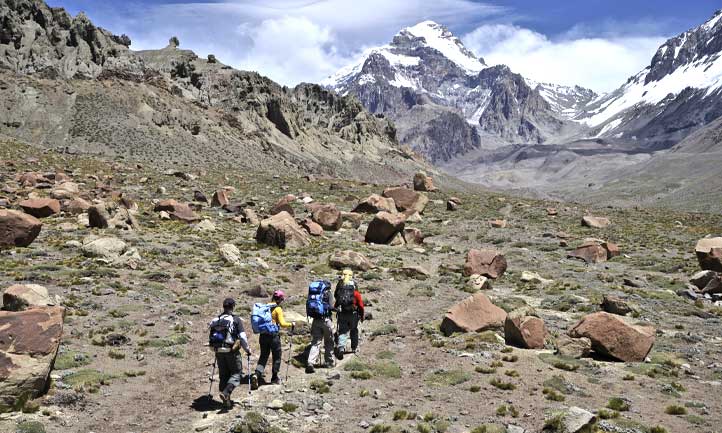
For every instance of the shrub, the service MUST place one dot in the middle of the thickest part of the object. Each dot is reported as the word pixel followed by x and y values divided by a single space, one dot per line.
pixel 607 414
pixel 484 370
pixel 675 410
pixel 553 395
pixel 618 404
pixel 448 377
pixel 506 386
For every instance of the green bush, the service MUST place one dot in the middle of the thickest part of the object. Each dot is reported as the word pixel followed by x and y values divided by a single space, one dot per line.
pixel 675 410
pixel 618 404
pixel 506 386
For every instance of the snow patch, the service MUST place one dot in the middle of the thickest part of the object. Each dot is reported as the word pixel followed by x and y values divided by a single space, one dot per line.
pixel 440 39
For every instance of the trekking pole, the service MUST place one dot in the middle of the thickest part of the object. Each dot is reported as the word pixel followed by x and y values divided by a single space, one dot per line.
pixel 248 357
pixel 290 354
pixel 213 375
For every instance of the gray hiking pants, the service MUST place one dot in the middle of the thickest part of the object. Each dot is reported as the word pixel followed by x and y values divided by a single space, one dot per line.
pixel 321 331
pixel 230 368
pixel 347 326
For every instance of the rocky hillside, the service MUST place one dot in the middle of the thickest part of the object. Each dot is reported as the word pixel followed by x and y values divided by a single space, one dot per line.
pixel 70 85
pixel 485 312
pixel 446 102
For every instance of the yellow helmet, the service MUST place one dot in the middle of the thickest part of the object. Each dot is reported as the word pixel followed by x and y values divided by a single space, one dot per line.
pixel 347 275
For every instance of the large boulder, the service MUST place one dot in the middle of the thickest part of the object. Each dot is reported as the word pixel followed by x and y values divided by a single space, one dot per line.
pixel 230 254
pixel 18 229
pixel 595 222
pixel 489 263
pixel 313 228
pixel 349 259
pixel 595 251
pixel 573 347
pixel 615 305
pixel 220 198
pixel 474 314
pixel 284 205
pixel 407 199
pixel 709 254
pixel 77 206
pixel 65 191
pixel 108 248
pixel 21 296
pixel 98 216
pixel 375 204
pixel 522 328
pixel 40 207
pixel 29 342
pixel 281 231
pixel 571 420
pixel 702 278
pixel 327 216
pixel 422 182
pixel 177 211
pixel 384 227
pixel 612 336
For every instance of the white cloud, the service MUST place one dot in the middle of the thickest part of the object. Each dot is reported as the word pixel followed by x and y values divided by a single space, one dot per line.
pixel 602 64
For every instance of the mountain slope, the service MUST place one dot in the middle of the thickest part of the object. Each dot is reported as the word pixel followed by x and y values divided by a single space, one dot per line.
pixel 678 92
pixel 68 84
pixel 464 103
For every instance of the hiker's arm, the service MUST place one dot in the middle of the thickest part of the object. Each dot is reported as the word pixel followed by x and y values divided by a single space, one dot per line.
pixel 335 295
pixel 242 338
pixel 278 312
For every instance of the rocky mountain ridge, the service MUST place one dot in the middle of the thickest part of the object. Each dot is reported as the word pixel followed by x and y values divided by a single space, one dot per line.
pixel 67 84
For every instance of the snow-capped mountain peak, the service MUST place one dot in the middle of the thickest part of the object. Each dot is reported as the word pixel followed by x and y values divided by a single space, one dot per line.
pixel 442 40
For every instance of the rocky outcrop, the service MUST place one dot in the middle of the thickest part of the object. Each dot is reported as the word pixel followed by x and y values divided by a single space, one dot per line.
pixel 489 263
pixel 177 211
pixel 384 227
pixel 474 314
pixel 40 207
pixel 21 296
pixel 327 216
pixel 349 259
pixel 407 199
pixel 595 251
pixel 18 229
pixel 374 204
pixel 29 342
pixel 611 336
pixel 220 198
pixel 281 231
pixel 709 254
pixel 595 222
pixel 423 182
pixel 522 328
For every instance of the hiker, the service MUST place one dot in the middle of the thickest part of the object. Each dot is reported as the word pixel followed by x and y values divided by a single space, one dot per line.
pixel 318 307
pixel 227 337
pixel 349 311
pixel 267 320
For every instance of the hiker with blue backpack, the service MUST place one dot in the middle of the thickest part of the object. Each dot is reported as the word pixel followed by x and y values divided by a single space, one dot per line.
pixel 226 338
pixel 319 308
pixel 267 321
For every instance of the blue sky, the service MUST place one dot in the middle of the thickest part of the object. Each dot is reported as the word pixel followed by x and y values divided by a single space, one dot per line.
pixel 306 40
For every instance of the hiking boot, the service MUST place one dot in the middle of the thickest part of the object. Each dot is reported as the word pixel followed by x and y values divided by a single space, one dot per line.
pixel 226 399
pixel 339 354
pixel 310 369
pixel 254 382
pixel 275 380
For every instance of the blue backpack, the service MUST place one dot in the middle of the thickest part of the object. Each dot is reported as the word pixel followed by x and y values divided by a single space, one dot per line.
pixel 317 305
pixel 262 320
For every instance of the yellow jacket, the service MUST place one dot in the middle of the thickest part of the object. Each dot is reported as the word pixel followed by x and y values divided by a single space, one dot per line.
pixel 277 316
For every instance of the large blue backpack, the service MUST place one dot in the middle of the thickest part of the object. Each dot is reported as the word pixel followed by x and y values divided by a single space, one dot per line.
pixel 317 303
pixel 262 320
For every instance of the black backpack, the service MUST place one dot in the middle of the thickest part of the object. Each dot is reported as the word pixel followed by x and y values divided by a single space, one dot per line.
pixel 221 331
pixel 346 296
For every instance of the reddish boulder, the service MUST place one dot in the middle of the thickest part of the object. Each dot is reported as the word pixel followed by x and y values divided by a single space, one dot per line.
pixel 351 220
pixel 407 199
pixel 312 228
pixel 413 236
pixel 422 182
pixel 595 251
pixel 595 222
pixel 77 206
pixel 497 224
pixel 349 259
pixel 281 231
pixel 177 211
pixel 612 336
pixel 375 204
pixel 29 342
pixel 31 179
pixel 284 205
pixel 18 229
pixel 220 198
pixel 327 216
pixel 41 207
pixel 489 263
pixel 473 314
pixel 709 254
pixel 525 330
pixel 384 227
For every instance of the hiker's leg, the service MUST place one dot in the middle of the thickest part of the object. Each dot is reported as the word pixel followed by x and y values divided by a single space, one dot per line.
pixel 354 331
pixel 265 343
pixel 223 373
pixel 277 352
pixel 236 369
pixel 317 335
pixel 327 332
pixel 344 328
